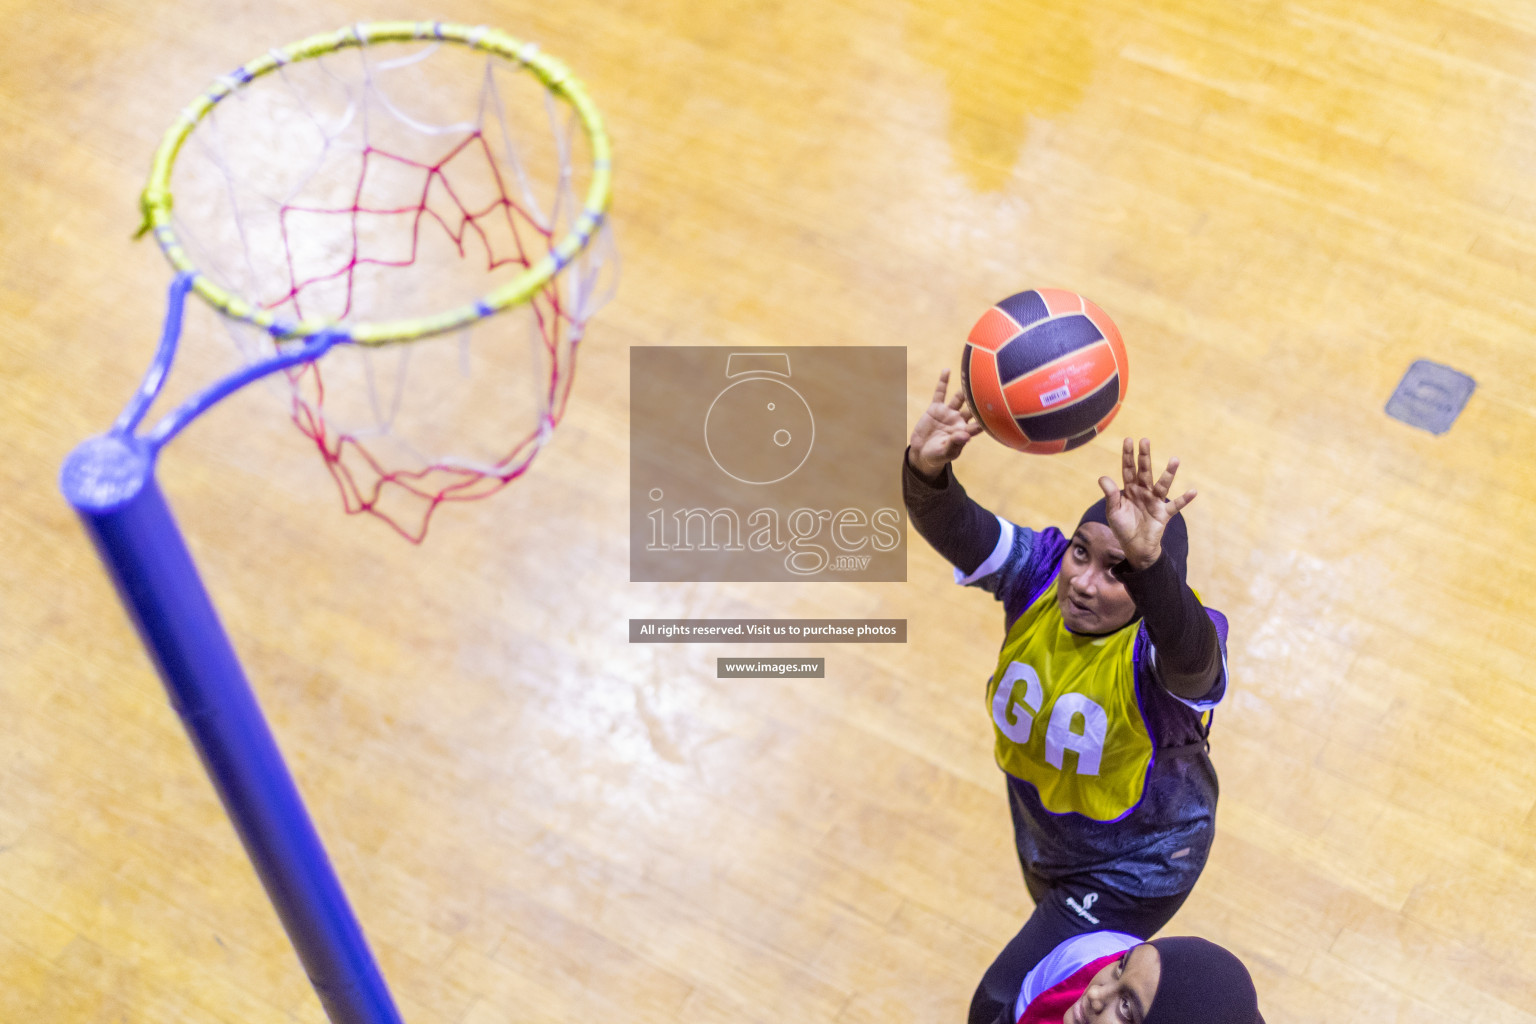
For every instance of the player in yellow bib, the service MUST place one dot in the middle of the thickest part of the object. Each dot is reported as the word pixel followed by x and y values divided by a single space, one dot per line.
pixel 1107 667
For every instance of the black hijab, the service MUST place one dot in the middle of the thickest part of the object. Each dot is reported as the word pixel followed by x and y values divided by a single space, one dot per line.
pixel 1175 534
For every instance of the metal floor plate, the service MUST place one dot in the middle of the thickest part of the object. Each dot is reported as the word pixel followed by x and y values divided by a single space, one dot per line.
pixel 1430 396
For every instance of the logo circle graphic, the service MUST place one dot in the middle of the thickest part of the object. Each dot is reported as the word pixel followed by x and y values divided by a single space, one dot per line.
pixel 759 430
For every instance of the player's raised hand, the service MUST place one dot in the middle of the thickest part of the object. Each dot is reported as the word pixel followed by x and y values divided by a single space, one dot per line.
pixel 1140 508
pixel 942 431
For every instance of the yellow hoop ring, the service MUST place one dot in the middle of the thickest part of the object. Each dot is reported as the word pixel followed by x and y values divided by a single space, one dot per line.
pixel 156 198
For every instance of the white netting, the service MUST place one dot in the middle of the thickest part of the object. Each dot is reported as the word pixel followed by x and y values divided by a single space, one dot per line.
pixel 392 182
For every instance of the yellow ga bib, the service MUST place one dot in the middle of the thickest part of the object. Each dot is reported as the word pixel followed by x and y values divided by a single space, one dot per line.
pixel 1065 713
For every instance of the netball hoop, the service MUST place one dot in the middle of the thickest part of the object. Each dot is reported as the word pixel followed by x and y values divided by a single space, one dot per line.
pixel 401 198
pixel 390 183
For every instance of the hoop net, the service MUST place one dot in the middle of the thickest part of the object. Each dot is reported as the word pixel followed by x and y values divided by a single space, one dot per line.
pixel 400 183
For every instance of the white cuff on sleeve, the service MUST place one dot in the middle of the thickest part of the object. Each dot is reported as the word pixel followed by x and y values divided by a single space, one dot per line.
pixel 995 560
pixel 1202 705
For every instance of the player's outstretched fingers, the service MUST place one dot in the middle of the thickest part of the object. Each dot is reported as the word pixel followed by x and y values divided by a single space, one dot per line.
pixel 1165 482
pixel 1111 494
pixel 941 389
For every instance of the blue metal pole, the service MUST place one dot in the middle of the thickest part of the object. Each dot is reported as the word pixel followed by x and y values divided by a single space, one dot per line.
pixel 110 481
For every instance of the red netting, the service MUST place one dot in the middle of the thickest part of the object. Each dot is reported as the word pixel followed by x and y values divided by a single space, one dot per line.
pixel 495 233
pixel 390 184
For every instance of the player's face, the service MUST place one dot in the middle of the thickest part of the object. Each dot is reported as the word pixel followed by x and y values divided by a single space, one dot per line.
pixel 1090 598
pixel 1120 993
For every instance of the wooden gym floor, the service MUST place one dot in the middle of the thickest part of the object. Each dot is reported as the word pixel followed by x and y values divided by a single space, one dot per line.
pixel 1283 203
